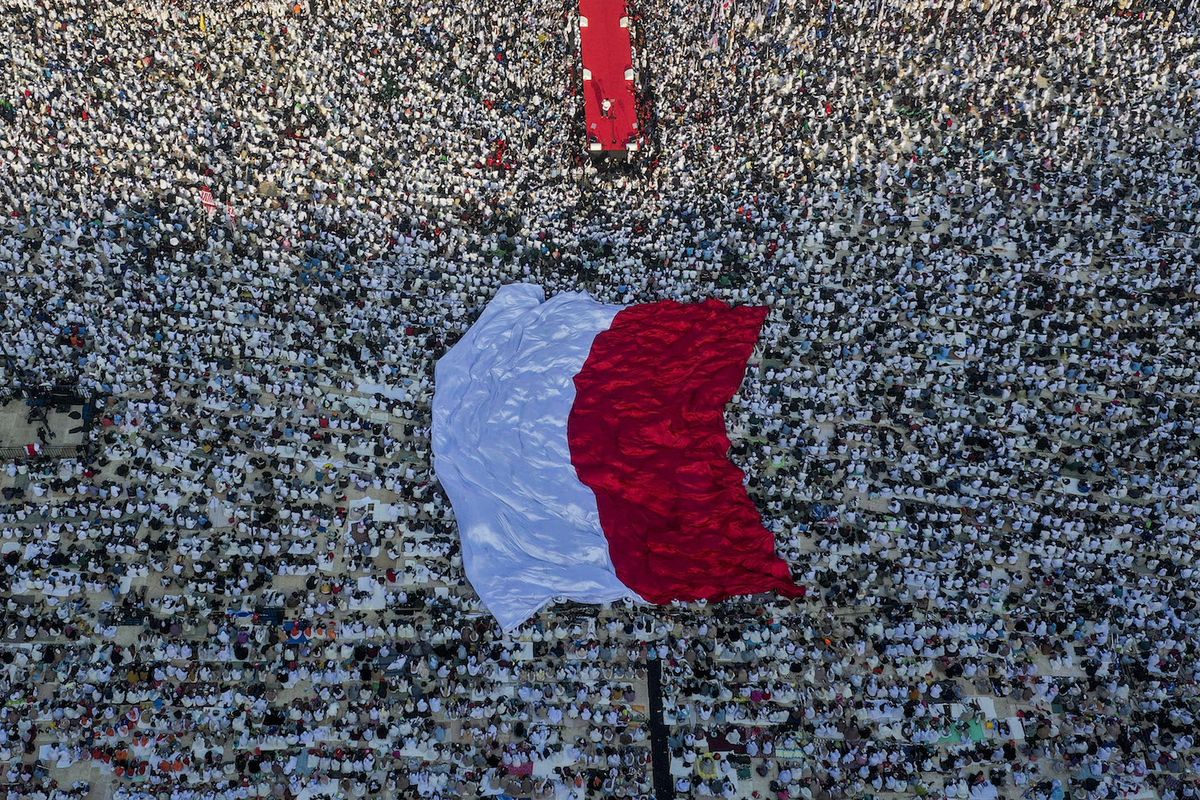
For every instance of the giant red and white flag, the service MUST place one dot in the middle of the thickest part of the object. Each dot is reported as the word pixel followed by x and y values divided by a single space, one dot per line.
pixel 584 451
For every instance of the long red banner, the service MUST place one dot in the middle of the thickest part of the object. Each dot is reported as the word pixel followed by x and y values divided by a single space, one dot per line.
pixel 610 101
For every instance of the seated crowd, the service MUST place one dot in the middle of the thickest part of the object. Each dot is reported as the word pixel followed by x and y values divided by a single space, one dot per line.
pixel 973 421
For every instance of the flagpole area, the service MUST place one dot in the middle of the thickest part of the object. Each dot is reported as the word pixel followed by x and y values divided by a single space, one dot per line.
pixel 660 754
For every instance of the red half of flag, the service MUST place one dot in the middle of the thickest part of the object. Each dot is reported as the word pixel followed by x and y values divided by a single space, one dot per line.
pixel 647 435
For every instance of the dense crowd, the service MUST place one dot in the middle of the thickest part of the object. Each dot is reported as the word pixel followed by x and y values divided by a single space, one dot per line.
pixel 245 231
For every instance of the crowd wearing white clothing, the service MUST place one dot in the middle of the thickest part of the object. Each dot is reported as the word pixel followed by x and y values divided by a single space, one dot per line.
pixel 246 231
